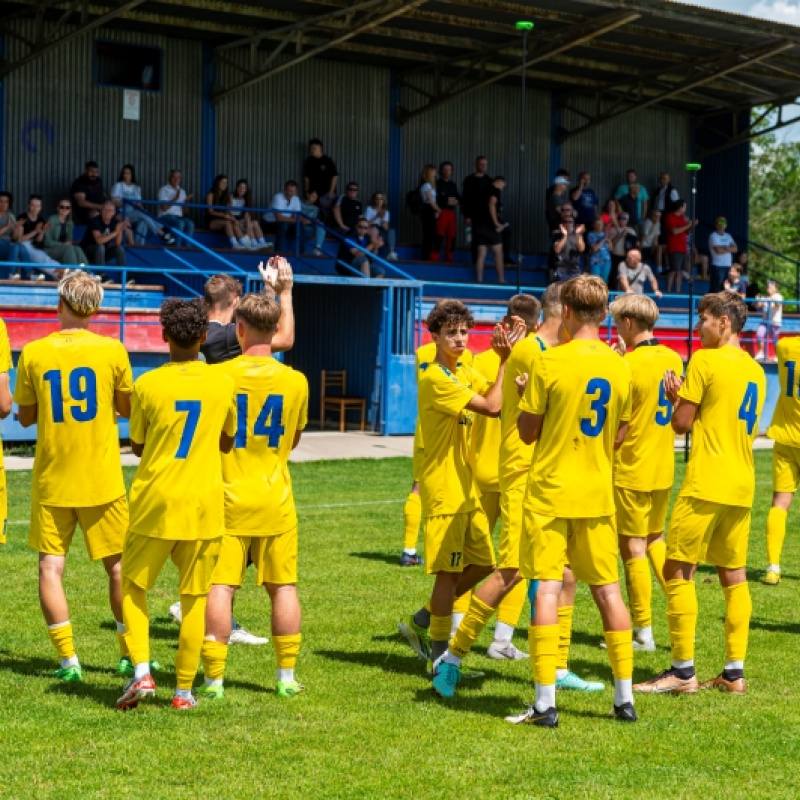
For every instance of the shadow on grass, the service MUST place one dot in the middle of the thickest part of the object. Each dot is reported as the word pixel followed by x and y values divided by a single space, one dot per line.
pixel 385 557
pixel 488 705
pixel 167 630
pixel 775 627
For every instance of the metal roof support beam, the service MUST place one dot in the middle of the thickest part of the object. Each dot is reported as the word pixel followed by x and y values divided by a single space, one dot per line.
pixel 558 43
pixel 721 68
pixel 752 131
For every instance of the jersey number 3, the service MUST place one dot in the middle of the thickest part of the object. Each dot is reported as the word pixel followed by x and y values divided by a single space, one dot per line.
pixel 82 389
pixel 593 425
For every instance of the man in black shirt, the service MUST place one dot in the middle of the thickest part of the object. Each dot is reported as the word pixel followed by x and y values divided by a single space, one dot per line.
pixel 348 208
pixel 320 176
pixel 88 194
pixel 350 254
pixel 103 238
pixel 488 229
pixel 447 198
pixel 474 194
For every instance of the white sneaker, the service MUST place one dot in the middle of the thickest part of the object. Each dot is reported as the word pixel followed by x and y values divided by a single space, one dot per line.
pixel 318 251
pixel 505 651
pixel 39 278
pixel 237 245
pixel 392 256
pixel 15 277
pixel 254 245
pixel 176 613
pixel 241 635
pixel 245 241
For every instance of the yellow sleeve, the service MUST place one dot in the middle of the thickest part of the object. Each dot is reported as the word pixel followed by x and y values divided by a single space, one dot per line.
pixel 694 387
pixel 302 417
pixel 626 408
pixel 24 393
pixel 231 420
pixel 137 427
pixel 5 349
pixel 534 401
pixel 480 383
pixel 449 395
pixel 123 373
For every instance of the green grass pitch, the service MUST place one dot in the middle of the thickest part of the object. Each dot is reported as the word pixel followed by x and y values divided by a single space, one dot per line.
pixel 368 725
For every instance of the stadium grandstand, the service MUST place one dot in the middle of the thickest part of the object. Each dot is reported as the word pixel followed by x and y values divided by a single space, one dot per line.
pixel 240 89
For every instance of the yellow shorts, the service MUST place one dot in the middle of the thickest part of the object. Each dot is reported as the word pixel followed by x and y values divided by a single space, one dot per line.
pixel 785 468
pixel 3 505
pixel 274 557
pixel 588 546
pixel 455 541
pixel 490 503
pixel 104 528
pixel 143 557
pixel 512 513
pixel 640 513
pixel 416 463
pixel 703 531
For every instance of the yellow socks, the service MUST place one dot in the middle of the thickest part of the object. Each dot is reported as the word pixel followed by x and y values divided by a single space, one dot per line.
pixel 657 553
pixel 440 628
pixel 564 635
pixel 543 641
pixel 287 647
pixel 214 655
pixel 682 618
pixel 470 628
pixel 776 532
pixel 461 604
pixel 61 636
pixel 190 640
pixel 738 609
pixel 640 591
pixel 510 607
pixel 137 622
pixel 620 654
pixel 412 516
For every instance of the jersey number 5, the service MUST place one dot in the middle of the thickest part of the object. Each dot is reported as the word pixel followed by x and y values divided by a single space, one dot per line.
pixel 269 422
pixel 664 413
pixel 599 407
pixel 748 411
pixel 82 388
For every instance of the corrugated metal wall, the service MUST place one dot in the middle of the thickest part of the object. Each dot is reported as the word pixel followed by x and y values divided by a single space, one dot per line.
pixel 263 131
pixel 57 92
pixel 650 141
pixel 485 122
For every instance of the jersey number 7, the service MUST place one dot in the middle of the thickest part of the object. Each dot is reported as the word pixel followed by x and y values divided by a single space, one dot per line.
pixel 192 410
pixel 269 422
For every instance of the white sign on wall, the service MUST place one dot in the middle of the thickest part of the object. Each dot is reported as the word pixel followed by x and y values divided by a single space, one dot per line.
pixel 131 104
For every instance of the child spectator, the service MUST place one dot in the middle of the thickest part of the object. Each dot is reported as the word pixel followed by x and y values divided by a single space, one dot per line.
pixel 429 214
pixel 599 254
pixel 126 188
pixel 248 227
pixel 649 233
pixel 771 320
pixel 218 219
pixel 377 214
pixel 311 231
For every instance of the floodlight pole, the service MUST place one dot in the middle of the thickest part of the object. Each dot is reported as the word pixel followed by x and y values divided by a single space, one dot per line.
pixel 693 169
pixel 525 27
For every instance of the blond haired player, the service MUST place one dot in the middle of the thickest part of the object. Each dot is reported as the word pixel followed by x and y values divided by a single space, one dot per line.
pixel 72 384
pixel 5 410
pixel 576 407
pixel 260 516
pixel 785 431
pixel 720 402
pixel 179 413
pixel 644 468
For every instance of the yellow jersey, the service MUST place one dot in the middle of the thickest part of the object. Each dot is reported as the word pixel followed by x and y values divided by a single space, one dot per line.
pixel 729 388
pixel 785 426
pixel 445 480
pixel 71 376
pixel 5 366
pixel 179 411
pixel 583 389
pixel 485 445
pixel 646 460
pixel 515 455
pixel 271 406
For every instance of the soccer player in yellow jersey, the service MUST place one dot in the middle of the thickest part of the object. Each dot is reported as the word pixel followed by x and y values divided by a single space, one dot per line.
pixel 644 468
pixel 179 415
pixel 5 410
pixel 720 402
pixel 576 407
pixel 72 384
pixel 260 516
pixel 785 431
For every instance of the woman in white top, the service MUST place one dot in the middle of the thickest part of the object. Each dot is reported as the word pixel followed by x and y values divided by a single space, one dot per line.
pixel 242 198
pixel 126 188
pixel 377 214
pixel 431 241
pixel 771 320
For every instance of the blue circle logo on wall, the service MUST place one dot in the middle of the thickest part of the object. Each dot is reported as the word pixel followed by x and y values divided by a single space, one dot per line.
pixel 37 125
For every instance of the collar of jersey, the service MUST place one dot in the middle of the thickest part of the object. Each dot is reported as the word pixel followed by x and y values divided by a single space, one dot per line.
pixel 647 343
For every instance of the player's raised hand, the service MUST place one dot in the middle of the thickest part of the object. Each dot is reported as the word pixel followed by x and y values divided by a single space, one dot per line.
pixel 500 343
pixel 285 279
pixel 672 385
pixel 522 382
pixel 517 331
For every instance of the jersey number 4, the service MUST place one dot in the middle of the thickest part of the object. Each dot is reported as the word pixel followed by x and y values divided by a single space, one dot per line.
pixel 269 422
pixel 593 425
pixel 82 383
pixel 748 410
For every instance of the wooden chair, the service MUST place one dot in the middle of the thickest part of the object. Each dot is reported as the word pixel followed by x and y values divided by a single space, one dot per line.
pixel 337 379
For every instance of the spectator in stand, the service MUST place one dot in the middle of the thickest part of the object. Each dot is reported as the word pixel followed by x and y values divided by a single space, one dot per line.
pixel 634 273
pixel 29 232
pixel 311 232
pixel 599 253
pixel 631 204
pixel 320 176
pixel 622 238
pixel 566 250
pixel 248 227
pixel 735 281
pixel 721 247
pixel 350 253
pixel 771 320
pixel 665 199
pixel 349 209
pixel 641 195
pixel 126 188
pixel 697 259
pixel 610 213
pixel 585 200
pixel 488 230
pixel 221 219
pixel 474 191
pixel 281 220
pixel 88 194
pixel 677 229
pixel 170 212
pixel 10 252
pixel 429 214
pixel 556 198
pixel 377 214
pixel 58 241
pixel 649 233
pixel 102 241
pixel 447 198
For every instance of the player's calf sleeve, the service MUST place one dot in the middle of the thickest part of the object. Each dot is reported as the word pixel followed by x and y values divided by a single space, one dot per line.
pixel 61 636
pixel 439 632
pixel 738 609
pixel 776 532
pixel 620 654
pixel 543 641
pixel 214 654
pixel 412 516
pixel 510 608
pixel 287 648
pixel 657 553
pixel 640 591
pixel 564 635
pixel 190 641
pixel 681 618
pixel 475 620
pixel 137 622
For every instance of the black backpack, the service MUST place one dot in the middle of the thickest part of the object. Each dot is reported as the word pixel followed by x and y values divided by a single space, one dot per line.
pixel 414 202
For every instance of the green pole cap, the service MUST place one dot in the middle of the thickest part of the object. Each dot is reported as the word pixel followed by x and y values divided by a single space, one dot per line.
pixel 524 26
pixel 692 167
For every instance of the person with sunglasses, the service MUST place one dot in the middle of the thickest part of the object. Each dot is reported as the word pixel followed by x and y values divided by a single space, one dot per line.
pixel 350 254
pixel 58 238
pixel 377 214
